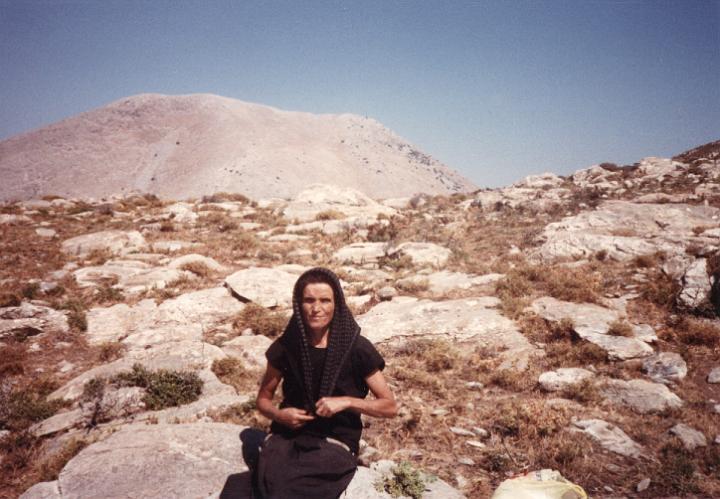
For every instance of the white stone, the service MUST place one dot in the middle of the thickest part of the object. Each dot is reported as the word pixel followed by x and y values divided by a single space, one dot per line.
pixel 696 285
pixel 360 253
pixel 264 286
pixel 714 375
pixel 48 233
pixel 320 197
pixel 640 395
pixel 210 263
pixel 563 378
pixel 29 320
pixel 250 349
pixel 690 437
pixel 422 253
pixel 665 366
pixel 610 437
pixel 114 241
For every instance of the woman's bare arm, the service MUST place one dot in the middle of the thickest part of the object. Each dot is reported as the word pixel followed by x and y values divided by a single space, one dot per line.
pixel 292 417
pixel 383 406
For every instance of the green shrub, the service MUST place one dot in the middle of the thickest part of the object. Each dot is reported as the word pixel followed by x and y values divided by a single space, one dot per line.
pixel 163 388
pixel 404 481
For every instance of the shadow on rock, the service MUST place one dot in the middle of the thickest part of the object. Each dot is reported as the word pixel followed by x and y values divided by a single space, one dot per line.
pixel 239 485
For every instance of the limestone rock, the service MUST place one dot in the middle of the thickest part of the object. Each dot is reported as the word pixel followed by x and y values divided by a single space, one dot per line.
pixel 690 437
pixel 181 212
pixel 46 233
pixel 14 219
pixel 640 395
pixel 171 246
pixel 665 367
pixel 265 286
pixel 714 375
pixel 422 253
pixel 164 460
pixel 43 490
pixel 560 379
pixel 387 293
pixel 696 285
pixel 29 320
pixel 466 319
pixel 360 253
pixel 114 241
pixel 591 322
pixel 320 197
pixel 610 437
pixel 249 349
pixel 59 422
pixel 445 281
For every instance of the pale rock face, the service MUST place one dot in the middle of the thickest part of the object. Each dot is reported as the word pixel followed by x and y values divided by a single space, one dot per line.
pixel 445 281
pixel 640 395
pixel 665 367
pixel 696 285
pixel 473 319
pixel 29 320
pixel 360 253
pixel 181 212
pixel 560 379
pixel 115 241
pixel 171 246
pixel 611 437
pixel 423 253
pixel 132 276
pixel 249 349
pixel 46 233
pixel 591 176
pixel 714 375
pixel 320 197
pixel 330 227
pixel 690 437
pixel 656 168
pixel 14 219
pixel 624 230
pixel 543 180
pixel 592 322
pixel 265 286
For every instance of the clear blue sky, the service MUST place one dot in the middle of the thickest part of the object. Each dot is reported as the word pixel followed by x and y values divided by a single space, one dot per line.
pixel 495 89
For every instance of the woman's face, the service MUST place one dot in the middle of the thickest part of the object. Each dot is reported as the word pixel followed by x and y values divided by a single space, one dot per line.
pixel 318 306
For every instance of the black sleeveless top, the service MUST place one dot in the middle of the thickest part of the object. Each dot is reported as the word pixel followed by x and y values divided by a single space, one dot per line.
pixel 345 426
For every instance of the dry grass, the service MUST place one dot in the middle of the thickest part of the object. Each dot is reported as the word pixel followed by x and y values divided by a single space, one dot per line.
pixel 231 371
pixel 260 320
pixel 620 328
pixel 330 215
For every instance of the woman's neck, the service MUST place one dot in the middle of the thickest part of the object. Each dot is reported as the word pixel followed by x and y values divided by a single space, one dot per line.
pixel 318 339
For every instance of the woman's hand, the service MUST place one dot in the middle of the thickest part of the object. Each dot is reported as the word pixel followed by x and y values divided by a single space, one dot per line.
pixel 329 406
pixel 292 417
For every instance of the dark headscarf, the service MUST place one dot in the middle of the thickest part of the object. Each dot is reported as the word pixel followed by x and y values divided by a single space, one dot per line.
pixel 343 332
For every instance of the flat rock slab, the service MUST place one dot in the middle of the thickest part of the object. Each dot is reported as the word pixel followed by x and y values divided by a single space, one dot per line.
pixel 610 437
pixel 591 322
pixel 696 285
pixel 29 319
pixel 196 259
pixel 265 286
pixel 319 197
pixel 714 375
pixel 645 229
pixel 361 253
pixel 249 349
pixel 665 367
pixel 175 460
pixel 463 319
pixel 445 281
pixel 114 241
pixel 565 377
pixel 422 253
pixel 640 395
pixel 188 314
pixel 690 437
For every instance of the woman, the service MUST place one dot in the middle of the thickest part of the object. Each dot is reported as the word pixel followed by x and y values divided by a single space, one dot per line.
pixel 326 368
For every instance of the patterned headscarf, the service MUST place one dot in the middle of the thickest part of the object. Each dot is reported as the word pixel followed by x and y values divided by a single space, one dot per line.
pixel 343 332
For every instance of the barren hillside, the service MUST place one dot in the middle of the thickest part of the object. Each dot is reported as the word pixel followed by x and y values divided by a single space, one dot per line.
pixel 558 323
pixel 191 145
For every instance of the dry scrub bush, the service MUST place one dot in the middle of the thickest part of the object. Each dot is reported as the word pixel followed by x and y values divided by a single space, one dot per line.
pixel 330 215
pixel 413 286
pixel 260 320
pixel 200 269
pixel 690 331
pixel 219 197
pixel 49 468
pixel 244 414
pixel 231 371
pixel 620 328
pixel 109 351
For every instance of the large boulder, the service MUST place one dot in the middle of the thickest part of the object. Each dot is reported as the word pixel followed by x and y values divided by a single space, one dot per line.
pixel 475 319
pixel 610 437
pixel 29 320
pixel 445 281
pixel 361 253
pixel 563 378
pixel 422 253
pixel 625 230
pixel 665 367
pixel 320 198
pixel 265 286
pixel 114 241
pixel 696 286
pixel 640 395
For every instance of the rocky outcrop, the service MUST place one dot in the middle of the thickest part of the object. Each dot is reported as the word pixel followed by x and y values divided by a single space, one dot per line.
pixel 319 198
pixel 113 241
pixel 30 320
pixel 640 395
pixel 610 437
pixel 265 286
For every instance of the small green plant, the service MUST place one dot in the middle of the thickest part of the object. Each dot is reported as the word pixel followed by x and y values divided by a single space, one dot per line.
pixel 163 388
pixel 404 481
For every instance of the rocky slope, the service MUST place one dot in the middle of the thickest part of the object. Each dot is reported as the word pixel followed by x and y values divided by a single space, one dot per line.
pixel 564 323
pixel 192 145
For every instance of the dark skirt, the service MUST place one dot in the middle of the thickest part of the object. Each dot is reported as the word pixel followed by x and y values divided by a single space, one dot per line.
pixel 303 467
